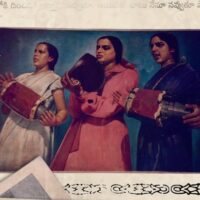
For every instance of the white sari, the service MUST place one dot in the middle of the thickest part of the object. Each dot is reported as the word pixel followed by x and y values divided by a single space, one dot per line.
pixel 21 140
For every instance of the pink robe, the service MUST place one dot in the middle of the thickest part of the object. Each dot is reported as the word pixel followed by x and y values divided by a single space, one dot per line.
pixel 97 139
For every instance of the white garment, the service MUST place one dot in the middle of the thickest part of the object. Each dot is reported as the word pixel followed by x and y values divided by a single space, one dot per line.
pixel 21 140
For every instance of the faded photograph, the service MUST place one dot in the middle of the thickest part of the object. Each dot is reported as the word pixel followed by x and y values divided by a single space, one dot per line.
pixel 33 181
pixel 91 101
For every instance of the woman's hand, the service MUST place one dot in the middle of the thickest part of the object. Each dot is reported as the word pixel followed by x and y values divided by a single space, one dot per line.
pixel 119 98
pixel 72 84
pixel 48 119
pixel 193 118
pixel 6 79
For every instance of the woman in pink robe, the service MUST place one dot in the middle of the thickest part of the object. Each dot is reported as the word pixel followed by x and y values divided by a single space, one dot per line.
pixel 97 139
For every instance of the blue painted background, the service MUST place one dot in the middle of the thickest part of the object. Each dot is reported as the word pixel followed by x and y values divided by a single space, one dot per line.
pixel 17 46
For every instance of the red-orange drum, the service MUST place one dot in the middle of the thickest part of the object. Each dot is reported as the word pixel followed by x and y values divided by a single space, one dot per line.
pixel 21 99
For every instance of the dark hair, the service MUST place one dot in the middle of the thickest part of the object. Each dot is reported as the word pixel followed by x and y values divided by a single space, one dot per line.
pixel 172 42
pixel 53 53
pixel 117 45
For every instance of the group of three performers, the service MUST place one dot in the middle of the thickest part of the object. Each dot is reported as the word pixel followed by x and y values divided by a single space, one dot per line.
pixel 101 141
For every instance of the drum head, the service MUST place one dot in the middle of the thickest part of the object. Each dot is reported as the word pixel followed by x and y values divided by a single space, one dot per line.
pixel 89 72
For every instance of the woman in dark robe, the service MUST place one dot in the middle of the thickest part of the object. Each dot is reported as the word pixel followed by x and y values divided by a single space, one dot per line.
pixel 168 148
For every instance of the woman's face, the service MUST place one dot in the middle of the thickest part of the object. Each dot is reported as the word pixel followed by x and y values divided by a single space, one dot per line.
pixel 161 52
pixel 105 52
pixel 41 56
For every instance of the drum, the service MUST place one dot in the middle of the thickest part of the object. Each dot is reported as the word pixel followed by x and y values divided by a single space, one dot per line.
pixel 89 73
pixel 22 100
pixel 153 104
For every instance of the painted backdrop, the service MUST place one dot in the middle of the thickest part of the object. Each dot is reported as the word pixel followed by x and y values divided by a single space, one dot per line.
pixel 17 46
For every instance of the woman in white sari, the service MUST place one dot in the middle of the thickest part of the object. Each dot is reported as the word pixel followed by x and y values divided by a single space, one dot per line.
pixel 21 140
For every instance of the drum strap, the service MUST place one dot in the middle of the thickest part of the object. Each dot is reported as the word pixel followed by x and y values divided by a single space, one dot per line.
pixel 46 94
pixel 161 78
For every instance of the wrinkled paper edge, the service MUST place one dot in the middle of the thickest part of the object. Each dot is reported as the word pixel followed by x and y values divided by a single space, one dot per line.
pixel 108 15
